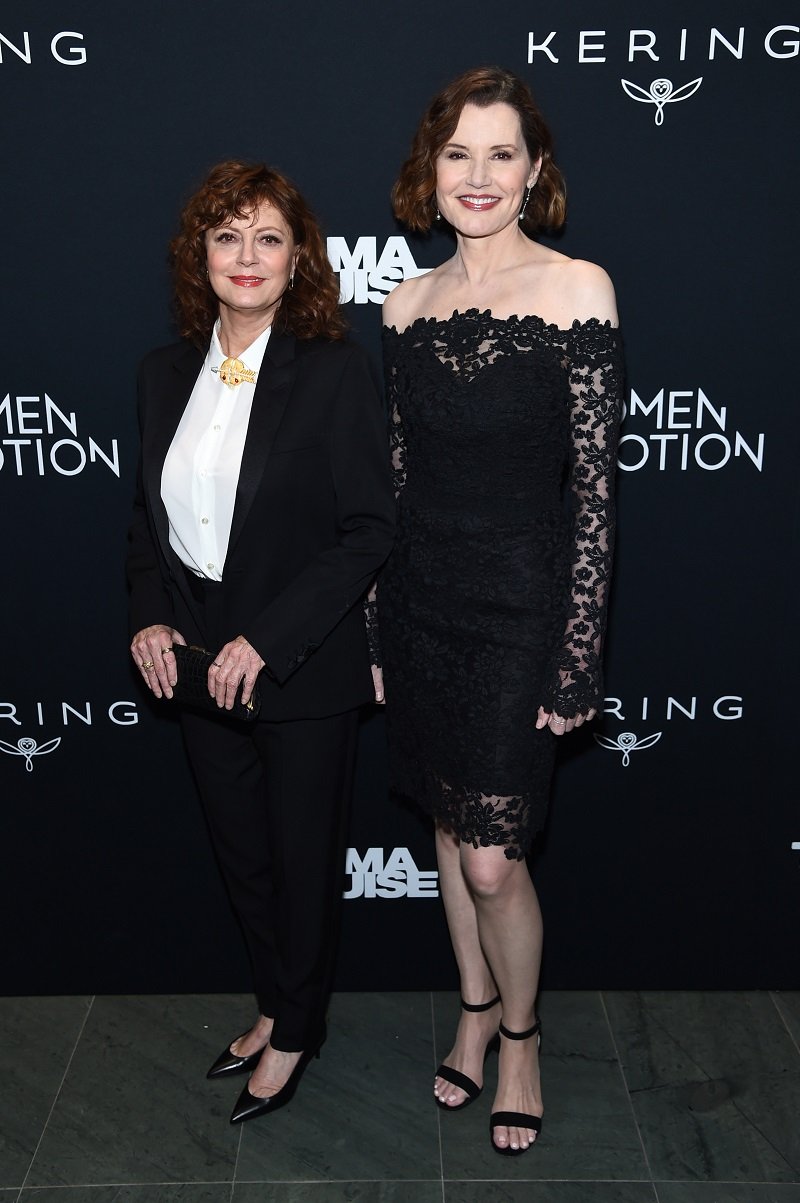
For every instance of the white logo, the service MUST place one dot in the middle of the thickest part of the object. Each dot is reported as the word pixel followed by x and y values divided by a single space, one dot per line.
pixel 70 55
pixel 727 708
pixel 398 877
pixel 671 48
pixel 121 714
pixel 691 432
pixel 29 748
pixel 591 44
pixel 364 275
pixel 31 416
pixel 661 92
pixel 626 743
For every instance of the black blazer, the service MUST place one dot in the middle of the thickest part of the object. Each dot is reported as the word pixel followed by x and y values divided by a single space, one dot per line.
pixel 313 521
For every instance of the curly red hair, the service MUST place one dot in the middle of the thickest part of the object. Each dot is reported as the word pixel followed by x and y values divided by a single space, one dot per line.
pixel 413 196
pixel 236 189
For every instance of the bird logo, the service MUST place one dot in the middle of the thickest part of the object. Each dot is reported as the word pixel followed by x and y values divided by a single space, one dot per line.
pixel 660 93
pixel 29 748
pixel 626 743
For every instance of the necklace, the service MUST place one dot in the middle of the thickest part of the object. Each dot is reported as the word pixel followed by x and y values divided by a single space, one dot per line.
pixel 233 372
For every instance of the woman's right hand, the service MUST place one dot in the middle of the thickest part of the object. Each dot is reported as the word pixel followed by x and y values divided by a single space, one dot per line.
pixel 377 681
pixel 151 649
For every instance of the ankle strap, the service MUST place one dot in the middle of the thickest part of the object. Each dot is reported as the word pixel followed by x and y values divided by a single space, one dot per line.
pixel 537 1027
pixel 487 1006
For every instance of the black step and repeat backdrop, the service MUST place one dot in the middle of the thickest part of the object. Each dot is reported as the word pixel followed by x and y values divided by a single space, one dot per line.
pixel 672 858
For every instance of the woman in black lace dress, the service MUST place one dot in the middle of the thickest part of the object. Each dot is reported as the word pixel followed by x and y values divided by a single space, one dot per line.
pixel 504 373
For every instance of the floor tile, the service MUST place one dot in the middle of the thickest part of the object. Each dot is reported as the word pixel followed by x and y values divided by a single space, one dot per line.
pixel 359 1112
pixel 31 1075
pixel 135 1106
pixel 715 1082
pixel 549 1192
pixel 150 1192
pixel 589 1130
pixel 788 1003
pixel 728 1192
pixel 339 1192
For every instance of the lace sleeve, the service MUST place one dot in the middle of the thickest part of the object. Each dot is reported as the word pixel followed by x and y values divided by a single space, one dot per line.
pixel 397 443
pixel 596 377
pixel 371 620
pixel 397 449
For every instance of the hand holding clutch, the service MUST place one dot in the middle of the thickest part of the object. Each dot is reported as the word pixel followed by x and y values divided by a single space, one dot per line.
pixel 191 689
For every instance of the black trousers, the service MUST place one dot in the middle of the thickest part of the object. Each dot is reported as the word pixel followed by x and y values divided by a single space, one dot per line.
pixel 276 796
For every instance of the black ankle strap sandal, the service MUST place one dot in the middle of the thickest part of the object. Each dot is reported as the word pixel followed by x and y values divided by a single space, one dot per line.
pixel 515 1119
pixel 536 1030
pixel 465 1006
pixel 454 1076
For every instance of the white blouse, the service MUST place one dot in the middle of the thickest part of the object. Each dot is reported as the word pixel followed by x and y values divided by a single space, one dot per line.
pixel 201 469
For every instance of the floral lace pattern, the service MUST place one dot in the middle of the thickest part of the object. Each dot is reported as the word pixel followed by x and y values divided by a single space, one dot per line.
pixel 371 622
pixel 494 601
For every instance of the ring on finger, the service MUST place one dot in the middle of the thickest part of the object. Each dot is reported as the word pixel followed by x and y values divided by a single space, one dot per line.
pixel 164 650
pixel 147 665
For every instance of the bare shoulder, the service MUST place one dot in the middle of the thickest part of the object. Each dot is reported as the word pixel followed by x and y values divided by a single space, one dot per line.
pixel 407 301
pixel 587 291
pixel 400 304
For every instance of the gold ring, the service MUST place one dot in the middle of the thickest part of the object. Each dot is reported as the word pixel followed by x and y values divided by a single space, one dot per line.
pixel 164 650
pixel 148 664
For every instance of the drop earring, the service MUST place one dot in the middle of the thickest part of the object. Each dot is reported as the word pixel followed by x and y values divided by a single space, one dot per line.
pixel 525 203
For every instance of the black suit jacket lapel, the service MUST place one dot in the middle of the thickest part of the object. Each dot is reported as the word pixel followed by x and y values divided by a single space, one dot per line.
pixel 271 397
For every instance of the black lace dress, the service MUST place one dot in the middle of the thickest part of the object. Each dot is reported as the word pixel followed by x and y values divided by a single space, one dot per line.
pixel 493 602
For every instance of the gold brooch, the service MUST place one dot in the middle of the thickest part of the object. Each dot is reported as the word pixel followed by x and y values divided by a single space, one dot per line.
pixel 233 372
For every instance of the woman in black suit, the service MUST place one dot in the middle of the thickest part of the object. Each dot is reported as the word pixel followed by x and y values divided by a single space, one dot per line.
pixel 263 511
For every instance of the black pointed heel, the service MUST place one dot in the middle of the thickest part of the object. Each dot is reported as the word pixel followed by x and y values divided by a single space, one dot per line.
pixel 454 1076
pixel 249 1106
pixel 516 1119
pixel 227 1063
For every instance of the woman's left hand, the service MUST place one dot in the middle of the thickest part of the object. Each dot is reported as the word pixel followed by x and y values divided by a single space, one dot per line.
pixel 559 725
pixel 235 663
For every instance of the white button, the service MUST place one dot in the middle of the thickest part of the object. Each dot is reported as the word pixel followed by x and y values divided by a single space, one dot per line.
pixel 210 567
pixel 218 427
pixel 204 521
pixel 202 471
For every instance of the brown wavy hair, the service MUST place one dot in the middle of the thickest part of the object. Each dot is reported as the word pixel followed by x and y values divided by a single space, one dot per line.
pixel 236 189
pixel 413 196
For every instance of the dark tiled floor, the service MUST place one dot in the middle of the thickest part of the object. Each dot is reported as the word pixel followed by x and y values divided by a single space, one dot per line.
pixel 651 1098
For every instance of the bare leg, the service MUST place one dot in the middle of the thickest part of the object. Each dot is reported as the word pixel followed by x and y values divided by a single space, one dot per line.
pixel 477 983
pixel 509 925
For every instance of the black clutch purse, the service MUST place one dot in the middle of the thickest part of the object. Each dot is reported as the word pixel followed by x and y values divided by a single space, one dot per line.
pixel 191 689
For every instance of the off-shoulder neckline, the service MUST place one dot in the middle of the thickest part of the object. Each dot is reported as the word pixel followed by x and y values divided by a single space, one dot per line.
pixel 590 323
